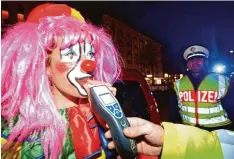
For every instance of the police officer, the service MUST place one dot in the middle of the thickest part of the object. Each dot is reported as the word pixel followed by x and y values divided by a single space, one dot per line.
pixel 200 98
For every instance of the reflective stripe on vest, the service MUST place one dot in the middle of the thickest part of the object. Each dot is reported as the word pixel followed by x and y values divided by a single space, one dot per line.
pixel 222 86
pixel 216 120
pixel 217 109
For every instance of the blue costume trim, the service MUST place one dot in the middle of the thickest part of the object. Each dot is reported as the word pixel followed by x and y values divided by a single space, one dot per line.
pixel 40 157
pixel 93 126
pixel 93 154
pixel 91 117
pixel 27 139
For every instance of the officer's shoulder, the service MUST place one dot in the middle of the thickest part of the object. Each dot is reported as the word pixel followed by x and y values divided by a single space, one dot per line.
pixel 183 78
pixel 179 80
pixel 218 75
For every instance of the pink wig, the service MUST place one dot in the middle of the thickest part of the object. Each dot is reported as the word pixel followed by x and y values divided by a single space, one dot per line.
pixel 25 86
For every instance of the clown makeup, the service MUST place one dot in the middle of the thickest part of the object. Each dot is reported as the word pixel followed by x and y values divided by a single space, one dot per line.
pixel 65 68
pixel 73 54
pixel 77 54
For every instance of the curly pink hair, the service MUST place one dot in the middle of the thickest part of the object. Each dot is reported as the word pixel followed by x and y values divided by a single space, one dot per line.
pixel 25 86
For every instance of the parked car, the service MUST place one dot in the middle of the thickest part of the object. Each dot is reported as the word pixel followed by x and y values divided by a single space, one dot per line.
pixel 136 99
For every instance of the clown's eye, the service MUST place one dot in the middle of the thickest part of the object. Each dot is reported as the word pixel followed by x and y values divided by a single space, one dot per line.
pixel 90 54
pixel 70 54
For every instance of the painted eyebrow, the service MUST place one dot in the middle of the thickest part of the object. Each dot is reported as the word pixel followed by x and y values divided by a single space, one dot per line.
pixel 91 48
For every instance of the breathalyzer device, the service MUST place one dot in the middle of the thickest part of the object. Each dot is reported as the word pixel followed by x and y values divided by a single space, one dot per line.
pixel 108 108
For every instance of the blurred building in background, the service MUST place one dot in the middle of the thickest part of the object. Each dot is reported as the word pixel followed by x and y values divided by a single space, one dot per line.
pixel 138 51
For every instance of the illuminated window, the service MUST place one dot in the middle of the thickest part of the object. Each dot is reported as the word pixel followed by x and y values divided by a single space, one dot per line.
pixel 20 17
pixel 158 81
pixel 149 76
pixel 166 75
pixel 5 14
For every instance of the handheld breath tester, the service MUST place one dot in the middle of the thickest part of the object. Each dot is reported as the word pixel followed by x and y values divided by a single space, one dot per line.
pixel 107 107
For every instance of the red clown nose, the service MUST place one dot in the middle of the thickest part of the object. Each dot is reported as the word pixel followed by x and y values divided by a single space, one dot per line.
pixel 88 66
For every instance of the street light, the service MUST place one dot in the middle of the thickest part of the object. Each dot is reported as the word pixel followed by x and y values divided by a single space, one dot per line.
pixel 219 68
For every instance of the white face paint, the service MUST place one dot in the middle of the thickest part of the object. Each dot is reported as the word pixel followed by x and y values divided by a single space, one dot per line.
pixel 76 54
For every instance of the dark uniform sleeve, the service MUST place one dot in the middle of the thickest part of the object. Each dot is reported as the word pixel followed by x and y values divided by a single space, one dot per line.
pixel 173 114
pixel 228 103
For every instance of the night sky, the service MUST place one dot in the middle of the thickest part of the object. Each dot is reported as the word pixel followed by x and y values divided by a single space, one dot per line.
pixel 177 25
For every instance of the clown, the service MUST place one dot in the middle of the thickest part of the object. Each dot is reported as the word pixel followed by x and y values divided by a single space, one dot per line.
pixel 47 63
